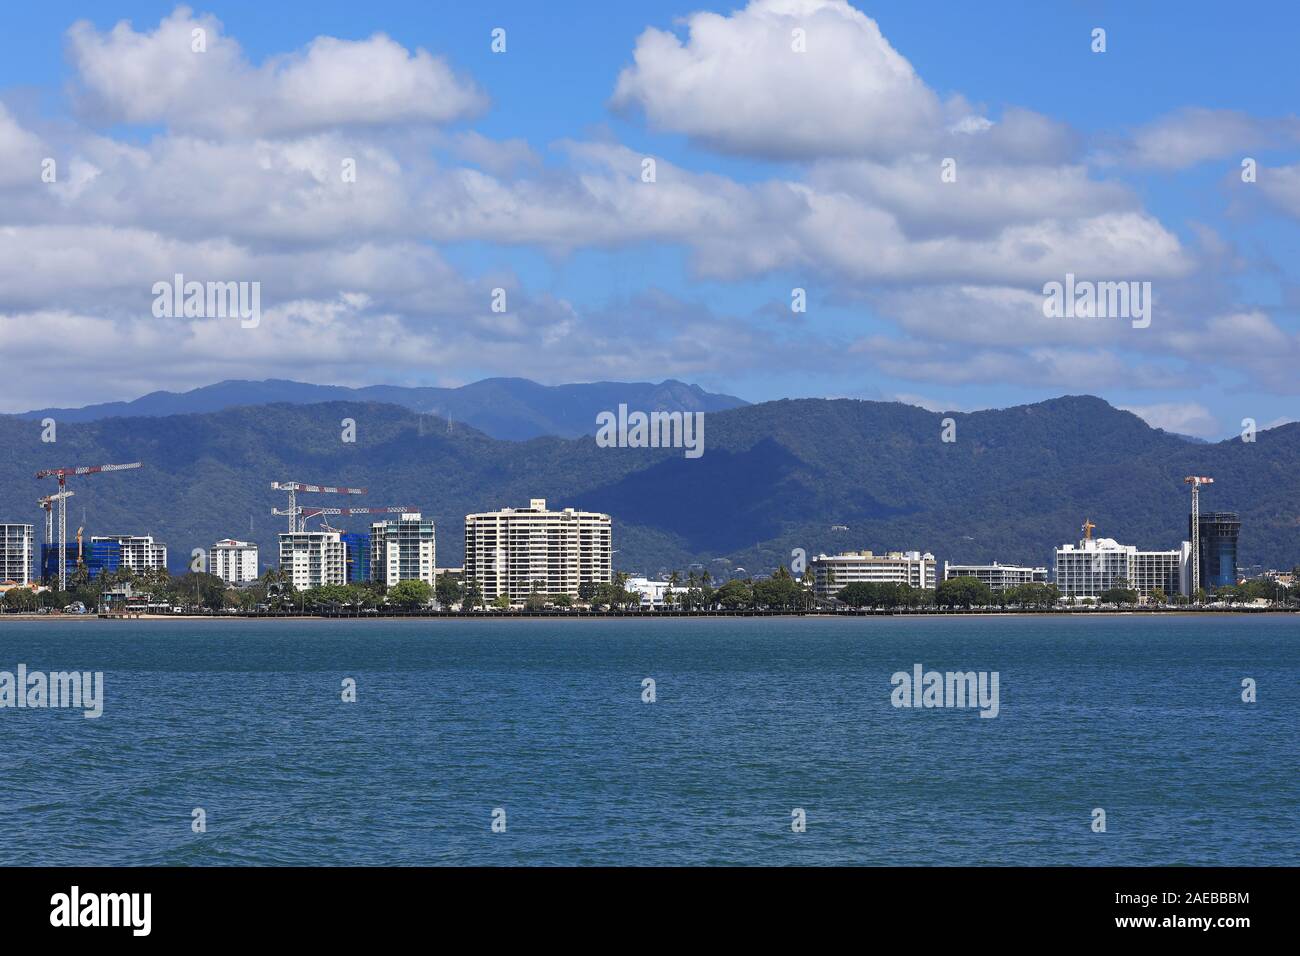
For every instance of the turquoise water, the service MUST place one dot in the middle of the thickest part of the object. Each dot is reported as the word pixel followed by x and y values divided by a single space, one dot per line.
pixel 1139 716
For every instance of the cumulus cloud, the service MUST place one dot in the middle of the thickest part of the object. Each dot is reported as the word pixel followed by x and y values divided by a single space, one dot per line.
pixel 1195 135
pixel 873 206
pixel 1281 187
pixel 243 183
pixel 738 83
pixel 985 198
pixel 161 78
pixel 994 316
pixel 21 152
pixel 1264 354
pixel 1057 369
pixel 1183 418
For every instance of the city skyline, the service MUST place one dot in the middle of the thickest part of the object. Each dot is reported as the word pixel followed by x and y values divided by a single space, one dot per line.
pixel 511 550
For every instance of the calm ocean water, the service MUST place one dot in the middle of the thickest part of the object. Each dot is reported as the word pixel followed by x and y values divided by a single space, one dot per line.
pixel 1140 716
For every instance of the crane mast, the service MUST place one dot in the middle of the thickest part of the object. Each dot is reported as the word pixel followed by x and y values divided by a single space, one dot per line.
pixel 47 505
pixel 1196 481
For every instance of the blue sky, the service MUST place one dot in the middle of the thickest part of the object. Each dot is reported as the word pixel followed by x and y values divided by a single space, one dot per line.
pixel 482 170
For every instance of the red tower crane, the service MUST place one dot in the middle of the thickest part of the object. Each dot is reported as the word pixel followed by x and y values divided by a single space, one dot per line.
pixel 296 522
pixel 308 513
pixel 63 474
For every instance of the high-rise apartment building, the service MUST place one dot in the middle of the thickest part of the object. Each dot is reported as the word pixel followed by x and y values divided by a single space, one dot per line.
pixel 313 558
pixel 518 550
pixel 17 553
pixel 235 562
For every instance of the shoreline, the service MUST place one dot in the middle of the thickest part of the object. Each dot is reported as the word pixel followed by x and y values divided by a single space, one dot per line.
pixel 644 615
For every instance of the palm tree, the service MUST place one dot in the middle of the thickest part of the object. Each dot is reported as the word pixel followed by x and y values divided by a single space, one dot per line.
pixel 692 589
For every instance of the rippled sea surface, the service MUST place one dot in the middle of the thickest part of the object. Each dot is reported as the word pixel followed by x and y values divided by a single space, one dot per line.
pixel 1139 716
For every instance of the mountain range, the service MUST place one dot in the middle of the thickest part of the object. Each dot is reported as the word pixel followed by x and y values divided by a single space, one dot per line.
pixel 817 474
pixel 509 408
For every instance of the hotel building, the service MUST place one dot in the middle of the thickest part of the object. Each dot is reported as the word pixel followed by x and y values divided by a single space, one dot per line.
pixel 830 573
pixel 998 577
pixel 17 553
pixel 235 562
pixel 1096 564
pixel 514 550
pixel 402 549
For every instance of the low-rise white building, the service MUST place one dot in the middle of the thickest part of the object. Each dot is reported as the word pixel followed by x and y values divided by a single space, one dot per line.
pixel 998 577
pixel 654 594
pixel 235 562
pixel 832 572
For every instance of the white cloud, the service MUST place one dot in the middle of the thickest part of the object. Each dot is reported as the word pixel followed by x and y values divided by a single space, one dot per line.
pixel 243 183
pixel 158 77
pixel 21 152
pixel 1183 418
pixel 1281 186
pixel 737 84
pixel 1059 369
pixel 929 404
pixel 1195 135
pixel 985 198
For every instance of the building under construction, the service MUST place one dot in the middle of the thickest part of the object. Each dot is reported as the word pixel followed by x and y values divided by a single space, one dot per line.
pixel 1217 536
pixel 102 553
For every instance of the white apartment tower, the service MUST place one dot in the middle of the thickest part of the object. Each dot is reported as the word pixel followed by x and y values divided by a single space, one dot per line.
pixel 830 573
pixel 516 549
pixel 17 553
pixel 139 551
pixel 313 558
pixel 402 548
pixel 235 562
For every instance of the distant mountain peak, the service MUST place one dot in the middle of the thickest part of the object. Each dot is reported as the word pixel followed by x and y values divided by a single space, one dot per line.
pixel 509 408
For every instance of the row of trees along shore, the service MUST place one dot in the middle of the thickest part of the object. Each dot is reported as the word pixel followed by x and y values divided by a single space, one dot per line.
pixel 695 591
